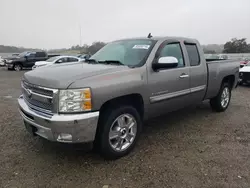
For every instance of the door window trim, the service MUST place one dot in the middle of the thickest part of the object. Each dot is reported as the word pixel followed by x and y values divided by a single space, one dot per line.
pixel 190 43
pixel 160 48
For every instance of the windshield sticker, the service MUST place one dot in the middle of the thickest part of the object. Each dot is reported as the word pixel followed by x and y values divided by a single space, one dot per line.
pixel 141 46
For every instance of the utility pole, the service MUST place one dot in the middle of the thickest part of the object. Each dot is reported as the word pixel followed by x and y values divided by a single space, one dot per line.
pixel 80 35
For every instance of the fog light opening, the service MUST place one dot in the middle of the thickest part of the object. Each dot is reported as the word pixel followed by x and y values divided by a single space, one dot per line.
pixel 64 137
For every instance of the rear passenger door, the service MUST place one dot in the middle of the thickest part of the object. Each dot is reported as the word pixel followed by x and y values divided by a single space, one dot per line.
pixel 72 59
pixel 198 72
pixel 169 88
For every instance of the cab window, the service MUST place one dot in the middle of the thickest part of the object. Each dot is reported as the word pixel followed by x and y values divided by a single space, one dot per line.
pixel 174 50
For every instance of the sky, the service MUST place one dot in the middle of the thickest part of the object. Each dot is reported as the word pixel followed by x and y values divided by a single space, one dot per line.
pixel 51 24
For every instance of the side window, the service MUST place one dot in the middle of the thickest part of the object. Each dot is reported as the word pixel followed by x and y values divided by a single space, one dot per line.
pixel 40 54
pixel 31 55
pixel 62 60
pixel 193 54
pixel 174 50
pixel 71 59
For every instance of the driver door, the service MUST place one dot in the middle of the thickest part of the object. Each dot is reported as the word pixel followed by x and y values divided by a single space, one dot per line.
pixel 170 87
pixel 30 59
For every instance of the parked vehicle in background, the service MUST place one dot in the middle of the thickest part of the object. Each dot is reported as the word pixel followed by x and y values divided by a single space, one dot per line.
pixel 244 77
pixel 244 62
pixel 217 56
pixel 56 60
pixel 223 56
pixel 2 61
pixel 25 60
pixel 105 99
pixel 14 54
pixel 84 56
pixel 53 55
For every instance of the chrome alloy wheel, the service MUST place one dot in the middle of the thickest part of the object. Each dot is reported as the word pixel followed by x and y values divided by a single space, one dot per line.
pixel 225 96
pixel 122 132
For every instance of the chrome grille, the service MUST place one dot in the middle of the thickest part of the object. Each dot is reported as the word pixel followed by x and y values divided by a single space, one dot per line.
pixel 38 89
pixel 38 98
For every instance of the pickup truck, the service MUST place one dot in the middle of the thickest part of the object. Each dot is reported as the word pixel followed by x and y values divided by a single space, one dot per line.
pixel 105 99
pixel 25 60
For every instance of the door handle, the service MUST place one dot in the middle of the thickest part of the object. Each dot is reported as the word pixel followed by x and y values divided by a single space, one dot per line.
pixel 184 75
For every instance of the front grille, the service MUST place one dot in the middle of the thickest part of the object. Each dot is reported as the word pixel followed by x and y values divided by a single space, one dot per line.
pixel 38 98
pixel 245 76
pixel 38 89
pixel 43 105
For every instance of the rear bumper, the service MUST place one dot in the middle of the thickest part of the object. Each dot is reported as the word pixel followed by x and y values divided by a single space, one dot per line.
pixel 73 128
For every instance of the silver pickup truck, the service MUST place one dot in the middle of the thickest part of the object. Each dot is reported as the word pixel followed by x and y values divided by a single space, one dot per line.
pixel 105 99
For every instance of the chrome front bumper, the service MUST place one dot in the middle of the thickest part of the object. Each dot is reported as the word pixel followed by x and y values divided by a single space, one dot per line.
pixel 72 128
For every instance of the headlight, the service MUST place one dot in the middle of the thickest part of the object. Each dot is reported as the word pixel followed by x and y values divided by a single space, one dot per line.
pixel 75 100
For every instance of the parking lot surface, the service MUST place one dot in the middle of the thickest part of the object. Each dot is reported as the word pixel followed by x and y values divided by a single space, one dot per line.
pixel 193 147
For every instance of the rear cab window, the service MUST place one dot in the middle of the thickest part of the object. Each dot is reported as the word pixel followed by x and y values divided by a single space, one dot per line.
pixel 193 54
pixel 72 59
pixel 40 54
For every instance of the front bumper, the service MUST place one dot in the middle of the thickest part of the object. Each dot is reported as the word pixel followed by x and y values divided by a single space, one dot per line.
pixel 9 65
pixel 72 128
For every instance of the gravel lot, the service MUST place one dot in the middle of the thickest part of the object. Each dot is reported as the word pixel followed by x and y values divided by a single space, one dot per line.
pixel 194 147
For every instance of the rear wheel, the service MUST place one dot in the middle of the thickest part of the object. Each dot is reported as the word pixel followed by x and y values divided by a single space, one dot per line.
pixel 18 67
pixel 119 132
pixel 222 100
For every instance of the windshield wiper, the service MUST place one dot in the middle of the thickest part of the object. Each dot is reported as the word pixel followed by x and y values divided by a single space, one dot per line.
pixel 116 62
pixel 111 62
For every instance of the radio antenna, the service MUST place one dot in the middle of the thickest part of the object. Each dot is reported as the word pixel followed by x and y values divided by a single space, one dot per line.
pixel 149 35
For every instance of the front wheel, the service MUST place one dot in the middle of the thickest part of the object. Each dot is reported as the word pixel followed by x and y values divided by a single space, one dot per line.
pixel 119 131
pixel 222 100
pixel 18 67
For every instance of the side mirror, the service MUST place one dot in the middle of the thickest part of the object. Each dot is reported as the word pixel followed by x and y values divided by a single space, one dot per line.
pixel 165 62
pixel 59 61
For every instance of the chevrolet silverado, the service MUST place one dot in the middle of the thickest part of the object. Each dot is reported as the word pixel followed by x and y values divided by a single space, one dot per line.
pixel 105 99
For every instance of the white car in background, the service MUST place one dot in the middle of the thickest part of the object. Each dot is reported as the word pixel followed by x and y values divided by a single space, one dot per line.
pixel 56 60
pixel 2 62
pixel 244 75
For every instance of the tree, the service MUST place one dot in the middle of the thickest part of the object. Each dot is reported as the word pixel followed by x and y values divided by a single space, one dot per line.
pixel 237 46
pixel 95 47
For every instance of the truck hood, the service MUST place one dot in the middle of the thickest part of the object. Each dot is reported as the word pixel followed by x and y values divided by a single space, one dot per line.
pixel 14 58
pixel 61 76
pixel 245 69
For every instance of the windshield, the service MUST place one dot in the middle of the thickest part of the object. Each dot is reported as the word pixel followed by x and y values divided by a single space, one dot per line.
pixel 52 59
pixel 128 52
pixel 23 54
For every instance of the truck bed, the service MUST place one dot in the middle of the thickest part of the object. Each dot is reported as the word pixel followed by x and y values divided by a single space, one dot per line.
pixel 217 70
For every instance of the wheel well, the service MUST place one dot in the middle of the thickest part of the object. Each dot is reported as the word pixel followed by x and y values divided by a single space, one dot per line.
pixel 18 63
pixel 229 79
pixel 135 100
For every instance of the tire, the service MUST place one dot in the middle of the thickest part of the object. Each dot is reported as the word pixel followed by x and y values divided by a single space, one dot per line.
pixel 110 148
pixel 18 67
pixel 224 94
